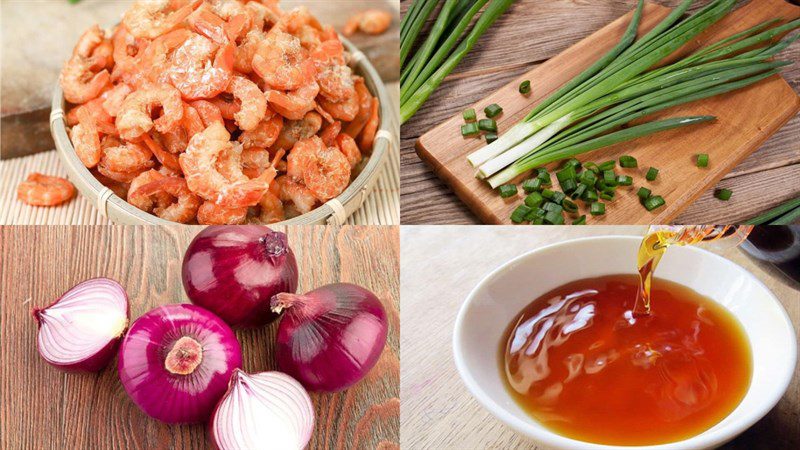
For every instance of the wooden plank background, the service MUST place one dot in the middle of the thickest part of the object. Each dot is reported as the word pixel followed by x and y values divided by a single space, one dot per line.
pixel 534 31
pixel 438 411
pixel 44 408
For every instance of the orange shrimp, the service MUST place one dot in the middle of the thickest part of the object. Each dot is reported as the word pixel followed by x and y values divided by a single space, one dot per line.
pixel 184 207
pixel 279 61
pixel 367 137
pixel 330 132
pixel 325 171
pixel 364 109
pixel 44 190
pixel 345 110
pixel 371 21
pixel 127 53
pixel 166 158
pixel 156 60
pixel 265 134
pixel 113 99
pixel 271 209
pixel 192 72
pixel 152 18
pixel 204 177
pixel 211 213
pixel 296 193
pixel 293 105
pixel 134 118
pixel 246 50
pixel 347 145
pixel 95 109
pixel 79 81
pixel 335 78
pixel 86 139
pixel 294 130
pixel 255 161
pixel 126 158
pixel 146 202
pixel 209 113
pixel 253 103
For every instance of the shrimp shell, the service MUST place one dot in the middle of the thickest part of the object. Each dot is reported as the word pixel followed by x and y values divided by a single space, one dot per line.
pixel 44 190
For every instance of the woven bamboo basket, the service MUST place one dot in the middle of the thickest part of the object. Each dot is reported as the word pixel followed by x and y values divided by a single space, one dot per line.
pixel 335 211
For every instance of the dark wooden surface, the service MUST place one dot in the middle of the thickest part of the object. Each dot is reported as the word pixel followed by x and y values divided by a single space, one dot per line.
pixel 45 408
pixel 533 31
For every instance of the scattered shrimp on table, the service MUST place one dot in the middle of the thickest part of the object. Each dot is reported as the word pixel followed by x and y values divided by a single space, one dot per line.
pixel 371 21
pixel 220 111
pixel 44 190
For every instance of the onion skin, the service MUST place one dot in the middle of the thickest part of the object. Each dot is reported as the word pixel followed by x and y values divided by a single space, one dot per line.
pixel 268 409
pixel 233 271
pixel 353 323
pixel 168 396
pixel 102 356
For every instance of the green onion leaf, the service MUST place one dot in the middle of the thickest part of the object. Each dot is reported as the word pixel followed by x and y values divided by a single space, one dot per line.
pixel 580 220
pixel 469 129
pixel 624 180
pixel 608 165
pixel 487 125
pixel 534 200
pixel 628 162
pixel 702 160
pixel 643 193
pixel 652 173
pixel 597 209
pixel 654 202
pixel 508 190
pixel 525 87
pixel 723 194
pixel 493 110
pixel 469 115
pixel 519 214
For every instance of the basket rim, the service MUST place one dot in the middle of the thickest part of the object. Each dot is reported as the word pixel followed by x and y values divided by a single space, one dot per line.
pixel 118 210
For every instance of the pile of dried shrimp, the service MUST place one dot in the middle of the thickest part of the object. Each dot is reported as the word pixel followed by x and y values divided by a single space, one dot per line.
pixel 218 112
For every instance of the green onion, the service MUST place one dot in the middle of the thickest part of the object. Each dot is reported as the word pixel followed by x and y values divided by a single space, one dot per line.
pixel 573 162
pixel 702 160
pixel 559 197
pixel 490 137
pixel 549 194
pixel 554 218
pixel 580 220
pixel 469 129
pixel 492 110
pixel 588 178
pixel 518 215
pixel 723 194
pixel 487 125
pixel 654 202
pixel 569 206
pixel 597 209
pixel 652 173
pixel 609 178
pixel 532 185
pixel 569 185
pixel 592 167
pixel 469 115
pixel 624 180
pixel 643 193
pixel 608 165
pixel 775 213
pixel 507 190
pixel 534 200
pixel 525 87
pixel 567 173
pixel 550 206
pixel 607 195
pixel 578 192
pixel 628 162
pixel 590 196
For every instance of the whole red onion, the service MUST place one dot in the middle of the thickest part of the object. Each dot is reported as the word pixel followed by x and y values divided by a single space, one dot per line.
pixel 234 270
pixel 268 409
pixel 176 360
pixel 81 330
pixel 329 338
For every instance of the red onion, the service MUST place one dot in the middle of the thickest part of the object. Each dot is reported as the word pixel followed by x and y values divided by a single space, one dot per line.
pixel 234 270
pixel 268 409
pixel 176 360
pixel 329 338
pixel 81 330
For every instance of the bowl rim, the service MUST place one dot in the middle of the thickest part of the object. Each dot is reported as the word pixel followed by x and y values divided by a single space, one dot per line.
pixel 334 211
pixel 549 438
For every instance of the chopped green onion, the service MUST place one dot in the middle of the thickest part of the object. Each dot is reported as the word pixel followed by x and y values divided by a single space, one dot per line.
pixel 469 115
pixel 723 194
pixel 469 129
pixel 518 216
pixel 628 162
pixel 590 196
pixel 545 177
pixel 609 178
pixel 569 206
pixel 531 185
pixel 490 137
pixel 559 197
pixel 578 192
pixel 643 193
pixel 567 173
pixel 624 180
pixel 534 200
pixel 554 218
pixel 492 110
pixel 487 125
pixel 569 185
pixel 549 194
pixel 537 220
pixel 606 195
pixel 580 220
pixel 507 190
pixel 654 202
pixel 652 173
pixel 588 178
pixel 608 165
pixel 572 162
pixel 550 206
pixel 597 209
pixel 702 160
pixel 592 167
pixel 525 87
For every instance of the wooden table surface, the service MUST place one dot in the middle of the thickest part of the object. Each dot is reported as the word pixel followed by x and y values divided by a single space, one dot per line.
pixel 529 33
pixel 437 411
pixel 45 408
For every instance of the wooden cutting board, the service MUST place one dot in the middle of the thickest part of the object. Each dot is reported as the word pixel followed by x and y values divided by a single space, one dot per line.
pixel 745 119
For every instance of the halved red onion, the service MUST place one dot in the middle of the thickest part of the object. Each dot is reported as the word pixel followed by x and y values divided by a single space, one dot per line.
pixel 263 410
pixel 81 330
pixel 176 360
pixel 234 270
pixel 329 338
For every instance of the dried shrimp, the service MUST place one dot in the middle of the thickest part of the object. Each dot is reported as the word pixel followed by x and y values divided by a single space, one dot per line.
pixel 216 111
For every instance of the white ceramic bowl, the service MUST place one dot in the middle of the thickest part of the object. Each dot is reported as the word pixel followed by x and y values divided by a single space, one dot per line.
pixel 499 297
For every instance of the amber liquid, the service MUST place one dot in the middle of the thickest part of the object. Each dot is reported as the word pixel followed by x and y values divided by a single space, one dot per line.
pixel 580 362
